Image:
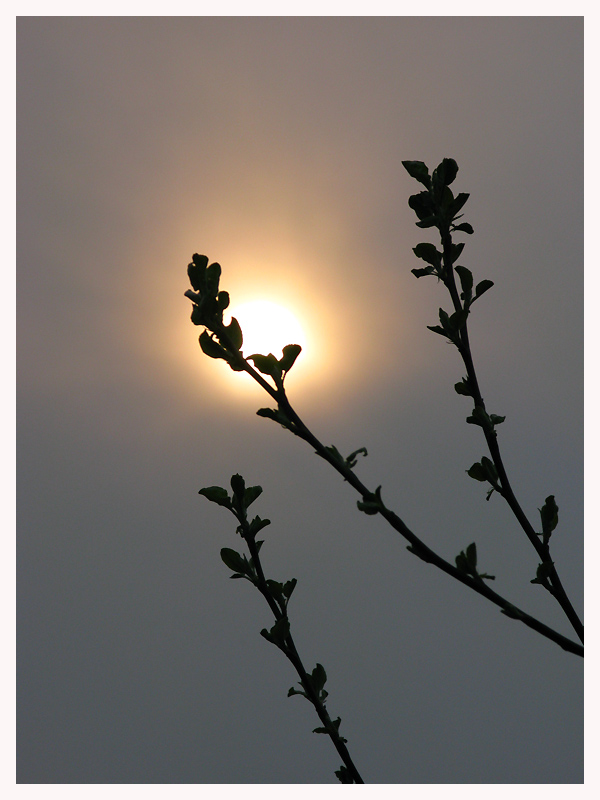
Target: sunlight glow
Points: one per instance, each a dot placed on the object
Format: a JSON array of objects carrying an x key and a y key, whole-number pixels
[{"x": 267, "y": 327}]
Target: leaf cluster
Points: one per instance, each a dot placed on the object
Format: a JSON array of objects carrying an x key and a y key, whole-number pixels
[
  {"x": 466, "y": 561},
  {"x": 437, "y": 206},
  {"x": 371, "y": 503},
  {"x": 485, "y": 471},
  {"x": 225, "y": 341},
  {"x": 312, "y": 684},
  {"x": 238, "y": 503},
  {"x": 218, "y": 340},
  {"x": 274, "y": 368}
]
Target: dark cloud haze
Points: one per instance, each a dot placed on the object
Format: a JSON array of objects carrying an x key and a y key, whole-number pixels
[{"x": 274, "y": 145}]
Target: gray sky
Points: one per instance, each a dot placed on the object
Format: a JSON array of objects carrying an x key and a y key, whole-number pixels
[{"x": 274, "y": 145}]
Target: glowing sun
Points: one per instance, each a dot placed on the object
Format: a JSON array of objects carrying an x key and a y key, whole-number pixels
[{"x": 267, "y": 327}]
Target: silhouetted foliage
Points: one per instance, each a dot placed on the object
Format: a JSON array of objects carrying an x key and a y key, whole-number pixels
[{"x": 435, "y": 207}]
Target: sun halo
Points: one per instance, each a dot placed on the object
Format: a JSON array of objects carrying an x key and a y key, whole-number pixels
[{"x": 267, "y": 327}]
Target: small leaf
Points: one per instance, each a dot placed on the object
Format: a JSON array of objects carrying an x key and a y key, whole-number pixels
[
  {"x": 466, "y": 562},
  {"x": 371, "y": 503},
  {"x": 270, "y": 413},
  {"x": 496, "y": 420},
  {"x": 458, "y": 319},
  {"x": 477, "y": 472},
  {"x": 368, "y": 508},
  {"x": 196, "y": 271},
  {"x": 293, "y": 691},
  {"x": 466, "y": 281},
  {"x": 250, "y": 495},
  {"x": 419, "y": 171},
  {"x": 212, "y": 276},
  {"x": 464, "y": 387},
  {"x": 268, "y": 365},
  {"x": 290, "y": 354},
  {"x": 427, "y": 222},
  {"x": 351, "y": 460},
  {"x": 471, "y": 554},
  {"x": 277, "y": 415},
  {"x": 238, "y": 484},
  {"x": 490, "y": 469},
  {"x": 437, "y": 329},
  {"x": 222, "y": 301},
  {"x": 482, "y": 287},
  {"x": 479, "y": 417},
  {"x": 195, "y": 277},
  {"x": 318, "y": 677},
  {"x": 336, "y": 723},
  {"x": 235, "y": 333},
  {"x": 544, "y": 570},
  {"x": 429, "y": 253},
  {"x": 343, "y": 775},
  {"x": 216, "y": 495},
  {"x": 459, "y": 201},
  {"x": 234, "y": 561},
  {"x": 211, "y": 347},
  {"x": 461, "y": 563},
  {"x": 421, "y": 273},
  {"x": 275, "y": 588},
  {"x": 243, "y": 496},
  {"x": 278, "y": 632},
  {"x": 549, "y": 515},
  {"x": 200, "y": 261},
  {"x": 456, "y": 250},
  {"x": 465, "y": 227},
  {"x": 422, "y": 205},
  {"x": 542, "y": 574},
  {"x": 445, "y": 173},
  {"x": 257, "y": 525},
  {"x": 288, "y": 587}
]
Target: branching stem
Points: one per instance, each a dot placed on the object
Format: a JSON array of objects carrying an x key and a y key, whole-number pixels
[
  {"x": 417, "y": 546},
  {"x": 291, "y": 652},
  {"x": 543, "y": 550}
]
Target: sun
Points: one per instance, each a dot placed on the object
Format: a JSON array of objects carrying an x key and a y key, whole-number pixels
[{"x": 267, "y": 327}]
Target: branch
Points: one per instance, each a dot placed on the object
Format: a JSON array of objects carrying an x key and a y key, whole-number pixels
[
  {"x": 225, "y": 342},
  {"x": 439, "y": 208},
  {"x": 277, "y": 596}
]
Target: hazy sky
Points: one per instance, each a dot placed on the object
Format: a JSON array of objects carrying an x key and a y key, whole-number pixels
[{"x": 274, "y": 145}]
